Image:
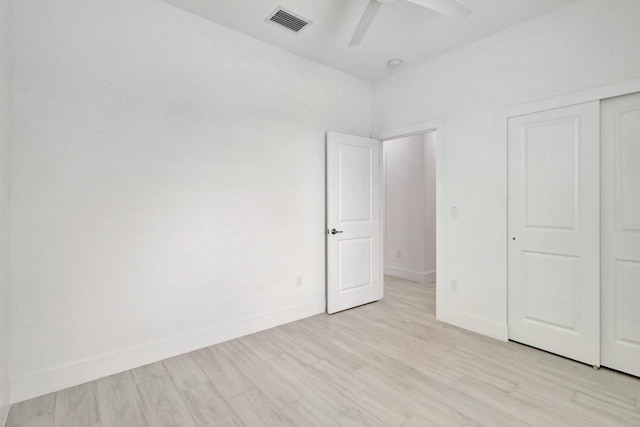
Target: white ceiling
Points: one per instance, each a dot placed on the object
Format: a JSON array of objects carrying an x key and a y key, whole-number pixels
[{"x": 400, "y": 30}]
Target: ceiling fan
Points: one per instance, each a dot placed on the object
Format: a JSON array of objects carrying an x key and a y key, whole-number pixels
[{"x": 447, "y": 7}]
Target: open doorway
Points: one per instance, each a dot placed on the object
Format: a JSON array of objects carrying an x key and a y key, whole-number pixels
[{"x": 410, "y": 213}]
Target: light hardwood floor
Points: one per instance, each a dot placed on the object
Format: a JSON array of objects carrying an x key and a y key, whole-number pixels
[{"x": 388, "y": 363}]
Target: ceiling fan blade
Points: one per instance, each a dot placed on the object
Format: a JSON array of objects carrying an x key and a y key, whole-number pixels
[
  {"x": 365, "y": 22},
  {"x": 448, "y": 7}
]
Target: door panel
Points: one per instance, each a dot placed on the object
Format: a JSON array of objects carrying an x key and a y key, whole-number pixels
[
  {"x": 621, "y": 233},
  {"x": 354, "y": 182},
  {"x": 553, "y": 272},
  {"x": 354, "y": 273},
  {"x": 355, "y": 257},
  {"x": 550, "y": 274},
  {"x": 551, "y": 178}
]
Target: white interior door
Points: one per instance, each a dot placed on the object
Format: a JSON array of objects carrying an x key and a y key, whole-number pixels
[
  {"x": 354, "y": 236},
  {"x": 621, "y": 233},
  {"x": 554, "y": 205}
]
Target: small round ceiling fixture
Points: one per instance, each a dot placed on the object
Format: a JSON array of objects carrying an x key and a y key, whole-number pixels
[{"x": 394, "y": 63}]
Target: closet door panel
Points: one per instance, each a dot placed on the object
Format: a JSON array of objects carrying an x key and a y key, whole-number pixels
[
  {"x": 621, "y": 233},
  {"x": 554, "y": 205}
]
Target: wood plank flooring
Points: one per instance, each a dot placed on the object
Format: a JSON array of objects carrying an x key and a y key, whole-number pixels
[{"x": 388, "y": 363}]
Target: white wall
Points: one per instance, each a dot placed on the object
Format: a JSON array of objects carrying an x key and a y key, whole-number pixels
[
  {"x": 410, "y": 207},
  {"x": 168, "y": 185},
  {"x": 4, "y": 206},
  {"x": 583, "y": 45}
]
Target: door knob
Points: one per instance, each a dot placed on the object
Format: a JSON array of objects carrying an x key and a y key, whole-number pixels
[{"x": 334, "y": 231}]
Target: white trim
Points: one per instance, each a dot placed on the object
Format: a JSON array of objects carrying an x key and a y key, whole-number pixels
[
  {"x": 383, "y": 211},
  {"x": 414, "y": 276},
  {"x": 490, "y": 328},
  {"x": 40, "y": 383},
  {"x": 430, "y": 276},
  {"x": 413, "y": 129},
  {"x": 382, "y": 217},
  {"x": 437, "y": 125},
  {"x": 595, "y": 94}
]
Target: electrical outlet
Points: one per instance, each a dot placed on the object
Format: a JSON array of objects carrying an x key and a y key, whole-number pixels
[
  {"x": 299, "y": 282},
  {"x": 399, "y": 254},
  {"x": 454, "y": 211},
  {"x": 454, "y": 286}
]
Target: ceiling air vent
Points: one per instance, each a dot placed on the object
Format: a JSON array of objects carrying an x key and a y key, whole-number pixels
[{"x": 288, "y": 20}]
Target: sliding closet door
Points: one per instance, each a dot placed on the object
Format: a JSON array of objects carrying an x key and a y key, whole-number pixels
[
  {"x": 554, "y": 222},
  {"x": 621, "y": 233}
]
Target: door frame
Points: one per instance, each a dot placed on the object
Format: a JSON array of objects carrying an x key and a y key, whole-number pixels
[
  {"x": 427, "y": 196},
  {"x": 438, "y": 126}
]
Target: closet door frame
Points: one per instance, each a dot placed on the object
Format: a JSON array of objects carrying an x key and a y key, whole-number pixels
[{"x": 595, "y": 94}]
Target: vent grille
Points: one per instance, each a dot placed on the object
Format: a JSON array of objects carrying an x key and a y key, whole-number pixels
[{"x": 287, "y": 20}]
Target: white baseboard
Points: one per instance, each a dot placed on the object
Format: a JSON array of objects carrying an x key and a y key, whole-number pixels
[
  {"x": 430, "y": 276},
  {"x": 40, "y": 383},
  {"x": 414, "y": 276},
  {"x": 476, "y": 324}
]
